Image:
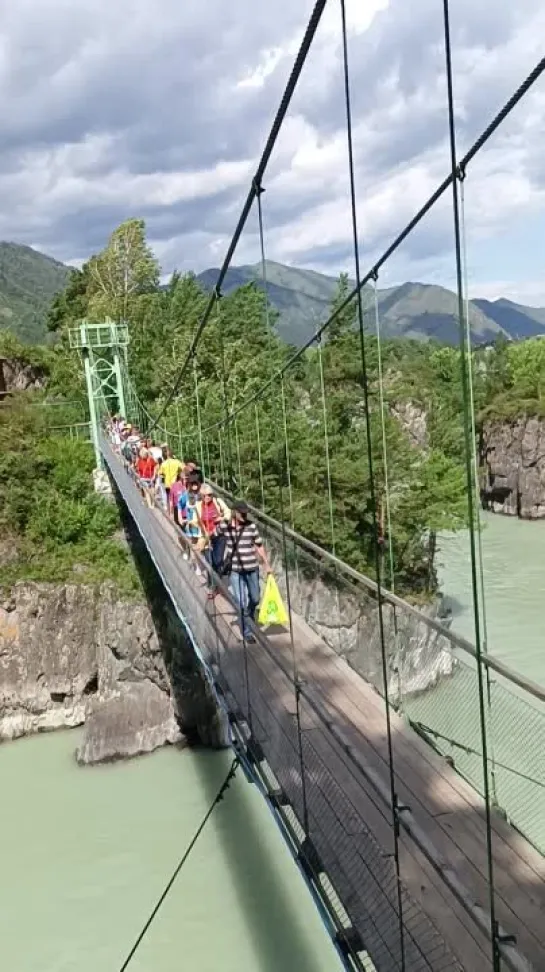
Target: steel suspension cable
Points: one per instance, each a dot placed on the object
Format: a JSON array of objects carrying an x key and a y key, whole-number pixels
[
  {"x": 372, "y": 492},
  {"x": 293, "y": 80},
  {"x": 229, "y": 457},
  {"x": 371, "y": 274},
  {"x": 468, "y": 432},
  {"x": 198, "y": 406},
  {"x": 287, "y": 450},
  {"x": 239, "y": 464}
]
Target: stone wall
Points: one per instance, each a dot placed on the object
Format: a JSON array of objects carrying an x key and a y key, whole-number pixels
[
  {"x": 74, "y": 654},
  {"x": 513, "y": 461}
]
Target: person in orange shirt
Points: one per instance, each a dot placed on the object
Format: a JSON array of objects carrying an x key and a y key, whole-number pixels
[{"x": 146, "y": 470}]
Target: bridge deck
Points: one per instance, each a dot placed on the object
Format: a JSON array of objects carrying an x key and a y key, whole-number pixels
[{"x": 449, "y": 810}]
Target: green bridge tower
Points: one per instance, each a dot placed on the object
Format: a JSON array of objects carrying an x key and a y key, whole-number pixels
[{"x": 103, "y": 348}]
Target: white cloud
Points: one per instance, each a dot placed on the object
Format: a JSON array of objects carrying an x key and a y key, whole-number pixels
[{"x": 113, "y": 110}]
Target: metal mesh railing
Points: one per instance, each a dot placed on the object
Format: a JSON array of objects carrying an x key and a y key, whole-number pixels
[
  {"x": 353, "y": 872},
  {"x": 432, "y": 679}
]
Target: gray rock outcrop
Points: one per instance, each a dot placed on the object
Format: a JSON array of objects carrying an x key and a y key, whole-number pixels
[
  {"x": 345, "y": 615},
  {"x": 17, "y": 375},
  {"x": 513, "y": 461},
  {"x": 74, "y": 654},
  {"x": 414, "y": 420}
]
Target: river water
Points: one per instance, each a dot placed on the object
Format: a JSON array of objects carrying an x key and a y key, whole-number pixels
[
  {"x": 85, "y": 853},
  {"x": 514, "y": 580}
]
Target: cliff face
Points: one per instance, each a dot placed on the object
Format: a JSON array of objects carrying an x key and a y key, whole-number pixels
[
  {"x": 72, "y": 655},
  {"x": 513, "y": 461},
  {"x": 16, "y": 375}
]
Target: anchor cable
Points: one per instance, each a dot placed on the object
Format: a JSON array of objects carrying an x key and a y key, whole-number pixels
[{"x": 219, "y": 796}]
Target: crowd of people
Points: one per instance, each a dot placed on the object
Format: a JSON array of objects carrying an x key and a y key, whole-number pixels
[{"x": 228, "y": 539}]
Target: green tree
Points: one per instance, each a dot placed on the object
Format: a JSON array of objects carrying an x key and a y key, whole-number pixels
[
  {"x": 72, "y": 303},
  {"x": 124, "y": 271}
]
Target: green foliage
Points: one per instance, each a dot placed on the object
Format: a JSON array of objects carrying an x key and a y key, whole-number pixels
[
  {"x": 124, "y": 271},
  {"x": 53, "y": 524},
  {"x": 71, "y": 304}
]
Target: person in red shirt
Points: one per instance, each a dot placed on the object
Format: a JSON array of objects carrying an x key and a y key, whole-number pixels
[{"x": 146, "y": 470}]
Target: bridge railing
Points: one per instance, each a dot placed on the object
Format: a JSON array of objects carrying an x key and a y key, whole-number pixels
[
  {"x": 378, "y": 925},
  {"x": 432, "y": 674}
]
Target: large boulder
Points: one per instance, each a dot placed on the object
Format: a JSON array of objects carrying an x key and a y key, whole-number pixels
[
  {"x": 73, "y": 654},
  {"x": 137, "y": 720}
]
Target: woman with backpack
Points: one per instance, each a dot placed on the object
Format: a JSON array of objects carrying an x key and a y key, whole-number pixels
[{"x": 212, "y": 512}]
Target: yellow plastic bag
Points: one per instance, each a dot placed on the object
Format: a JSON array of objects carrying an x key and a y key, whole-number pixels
[{"x": 272, "y": 610}]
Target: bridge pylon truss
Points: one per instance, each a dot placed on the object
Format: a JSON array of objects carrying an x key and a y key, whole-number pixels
[{"x": 103, "y": 349}]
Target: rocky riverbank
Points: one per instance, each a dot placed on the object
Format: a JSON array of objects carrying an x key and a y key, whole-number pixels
[
  {"x": 75, "y": 654},
  {"x": 513, "y": 462},
  {"x": 345, "y": 616}
]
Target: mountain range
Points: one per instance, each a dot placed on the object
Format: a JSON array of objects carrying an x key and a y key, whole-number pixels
[
  {"x": 30, "y": 279},
  {"x": 413, "y": 310},
  {"x": 28, "y": 282}
]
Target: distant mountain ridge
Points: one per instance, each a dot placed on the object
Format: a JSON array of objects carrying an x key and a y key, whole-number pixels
[
  {"x": 412, "y": 310},
  {"x": 29, "y": 280}
]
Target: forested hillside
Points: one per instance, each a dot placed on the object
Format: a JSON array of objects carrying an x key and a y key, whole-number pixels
[
  {"x": 28, "y": 282},
  {"x": 416, "y": 484}
]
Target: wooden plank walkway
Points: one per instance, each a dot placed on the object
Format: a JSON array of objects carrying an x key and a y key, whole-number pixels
[{"x": 448, "y": 809}]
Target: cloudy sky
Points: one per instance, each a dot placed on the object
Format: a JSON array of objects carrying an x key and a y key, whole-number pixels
[{"x": 118, "y": 108}]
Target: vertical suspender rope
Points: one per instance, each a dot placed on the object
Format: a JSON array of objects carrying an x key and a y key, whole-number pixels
[
  {"x": 286, "y": 439},
  {"x": 179, "y": 424},
  {"x": 239, "y": 465},
  {"x": 468, "y": 432},
  {"x": 259, "y": 457},
  {"x": 384, "y": 447},
  {"x": 229, "y": 480},
  {"x": 480, "y": 557},
  {"x": 329, "y": 484},
  {"x": 369, "y": 444},
  {"x": 295, "y": 667},
  {"x": 326, "y": 446},
  {"x": 398, "y": 667},
  {"x": 198, "y": 406},
  {"x": 222, "y": 468}
]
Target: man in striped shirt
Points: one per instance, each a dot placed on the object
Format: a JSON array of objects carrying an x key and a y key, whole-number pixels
[{"x": 244, "y": 551}]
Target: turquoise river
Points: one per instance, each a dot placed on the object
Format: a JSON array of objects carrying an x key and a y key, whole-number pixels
[{"x": 86, "y": 852}]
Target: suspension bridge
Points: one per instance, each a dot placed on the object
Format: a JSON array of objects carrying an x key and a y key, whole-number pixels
[{"x": 403, "y": 763}]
